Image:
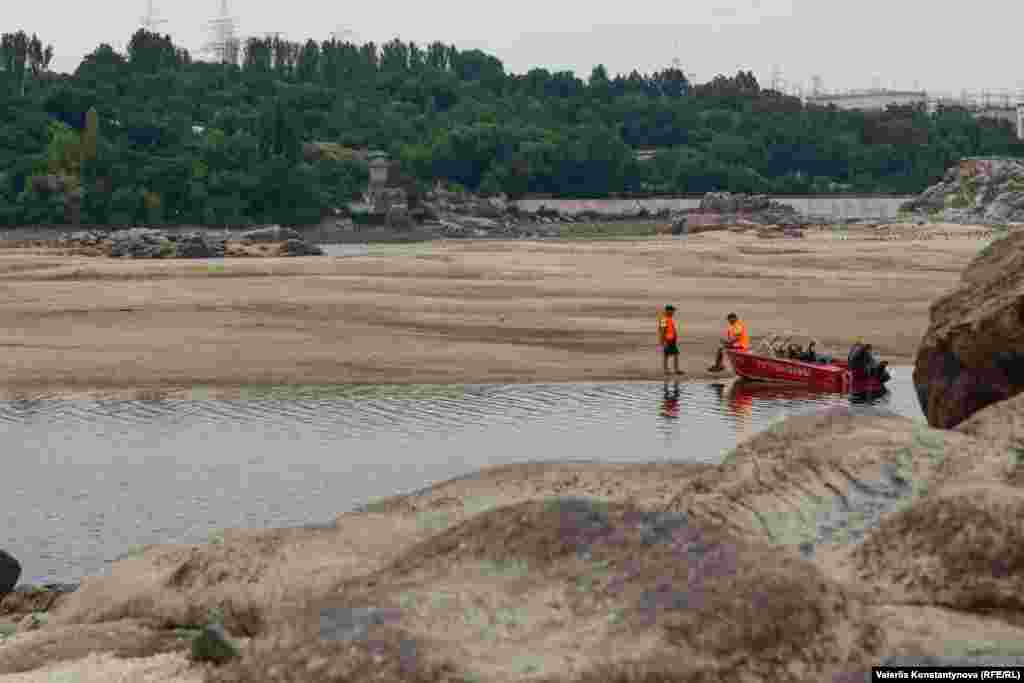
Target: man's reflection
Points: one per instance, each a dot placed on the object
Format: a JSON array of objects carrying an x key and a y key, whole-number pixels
[{"x": 670, "y": 406}]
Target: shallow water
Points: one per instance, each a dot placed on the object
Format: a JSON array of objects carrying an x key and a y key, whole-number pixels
[{"x": 85, "y": 481}]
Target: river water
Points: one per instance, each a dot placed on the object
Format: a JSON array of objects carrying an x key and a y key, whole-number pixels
[{"x": 85, "y": 481}]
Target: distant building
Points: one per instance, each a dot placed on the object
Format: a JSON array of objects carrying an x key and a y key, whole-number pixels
[
  {"x": 870, "y": 99},
  {"x": 984, "y": 105}
]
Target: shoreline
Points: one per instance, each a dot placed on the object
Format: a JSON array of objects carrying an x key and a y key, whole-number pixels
[{"x": 452, "y": 311}]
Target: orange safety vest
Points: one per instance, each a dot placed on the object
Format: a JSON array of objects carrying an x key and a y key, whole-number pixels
[
  {"x": 667, "y": 328},
  {"x": 737, "y": 334}
]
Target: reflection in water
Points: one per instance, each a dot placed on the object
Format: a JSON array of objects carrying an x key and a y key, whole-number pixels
[
  {"x": 741, "y": 404},
  {"x": 670, "y": 405},
  {"x": 738, "y": 401}
]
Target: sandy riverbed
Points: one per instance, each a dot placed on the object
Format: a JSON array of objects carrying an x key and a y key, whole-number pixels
[{"x": 454, "y": 311}]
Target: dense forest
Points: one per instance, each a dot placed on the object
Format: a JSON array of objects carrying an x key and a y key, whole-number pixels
[{"x": 153, "y": 136}]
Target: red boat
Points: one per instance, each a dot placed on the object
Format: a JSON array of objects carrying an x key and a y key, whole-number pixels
[
  {"x": 763, "y": 368},
  {"x": 833, "y": 377}
]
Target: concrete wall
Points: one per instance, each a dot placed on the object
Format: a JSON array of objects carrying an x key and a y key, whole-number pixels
[{"x": 835, "y": 208}]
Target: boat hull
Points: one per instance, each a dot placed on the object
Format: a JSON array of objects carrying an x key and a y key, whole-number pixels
[{"x": 825, "y": 377}]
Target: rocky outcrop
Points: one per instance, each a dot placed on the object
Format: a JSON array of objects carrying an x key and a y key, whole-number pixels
[
  {"x": 972, "y": 354},
  {"x": 151, "y": 243},
  {"x": 10, "y": 572},
  {"x": 978, "y": 191}
]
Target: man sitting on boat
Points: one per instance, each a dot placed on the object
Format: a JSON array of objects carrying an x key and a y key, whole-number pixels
[
  {"x": 873, "y": 366},
  {"x": 736, "y": 337},
  {"x": 864, "y": 363}
]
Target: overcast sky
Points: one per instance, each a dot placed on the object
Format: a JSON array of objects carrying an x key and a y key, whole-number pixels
[{"x": 862, "y": 44}]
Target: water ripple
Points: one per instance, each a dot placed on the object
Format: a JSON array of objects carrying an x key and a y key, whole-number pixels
[{"x": 96, "y": 477}]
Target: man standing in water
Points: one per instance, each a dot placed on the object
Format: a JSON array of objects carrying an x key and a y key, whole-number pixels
[
  {"x": 668, "y": 337},
  {"x": 736, "y": 337}
]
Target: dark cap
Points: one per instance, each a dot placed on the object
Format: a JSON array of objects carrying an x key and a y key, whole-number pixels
[{"x": 670, "y": 308}]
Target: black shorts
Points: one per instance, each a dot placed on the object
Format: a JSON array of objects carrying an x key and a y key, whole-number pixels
[{"x": 671, "y": 349}]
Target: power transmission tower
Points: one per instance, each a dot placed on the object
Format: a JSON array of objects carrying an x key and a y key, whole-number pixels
[
  {"x": 224, "y": 46},
  {"x": 816, "y": 85},
  {"x": 776, "y": 78},
  {"x": 150, "y": 20}
]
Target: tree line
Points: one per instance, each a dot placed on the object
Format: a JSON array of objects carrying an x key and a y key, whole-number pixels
[{"x": 154, "y": 136}]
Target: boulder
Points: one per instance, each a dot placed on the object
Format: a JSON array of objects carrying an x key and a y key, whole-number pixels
[
  {"x": 200, "y": 245},
  {"x": 399, "y": 218},
  {"x": 10, "y": 572},
  {"x": 273, "y": 233},
  {"x": 140, "y": 243},
  {"x": 451, "y": 229},
  {"x": 300, "y": 248},
  {"x": 85, "y": 237},
  {"x": 972, "y": 354}
]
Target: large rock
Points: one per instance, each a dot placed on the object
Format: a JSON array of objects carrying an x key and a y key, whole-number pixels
[
  {"x": 300, "y": 248},
  {"x": 200, "y": 245},
  {"x": 140, "y": 243},
  {"x": 10, "y": 572},
  {"x": 85, "y": 237},
  {"x": 273, "y": 233},
  {"x": 972, "y": 354}
]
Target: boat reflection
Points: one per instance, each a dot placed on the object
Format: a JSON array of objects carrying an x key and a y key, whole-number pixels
[{"x": 742, "y": 393}]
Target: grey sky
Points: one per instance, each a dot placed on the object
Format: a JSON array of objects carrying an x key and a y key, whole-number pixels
[{"x": 850, "y": 44}]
